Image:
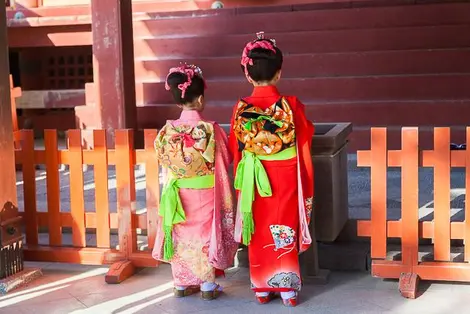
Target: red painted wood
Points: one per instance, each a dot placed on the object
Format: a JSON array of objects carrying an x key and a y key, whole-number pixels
[
  {"x": 327, "y": 64},
  {"x": 152, "y": 186},
  {"x": 442, "y": 194},
  {"x": 229, "y": 22},
  {"x": 101, "y": 189},
  {"x": 8, "y": 195},
  {"x": 378, "y": 175},
  {"x": 53, "y": 187},
  {"x": 406, "y": 38},
  {"x": 359, "y": 113},
  {"x": 50, "y": 36},
  {"x": 360, "y": 138},
  {"x": 29, "y": 187},
  {"x": 113, "y": 65},
  {"x": 410, "y": 198},
  {"x": 384, "y": 88},
  {"x": 77, "y": 199}
]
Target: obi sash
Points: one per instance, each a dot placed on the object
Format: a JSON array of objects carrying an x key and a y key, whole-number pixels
[
  {"x": 250, "y": 172},
  {"x": 171, "y": 208}
]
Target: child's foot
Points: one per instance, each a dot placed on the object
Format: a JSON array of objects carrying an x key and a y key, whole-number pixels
[
  {"x": 264, "y": 297},
  {"x": 289, "y": 299},
  {"x": 211, "y": 294},
  {"x": 181, "y": 292}
]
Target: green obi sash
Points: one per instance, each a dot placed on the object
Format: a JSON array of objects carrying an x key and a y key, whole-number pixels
[
  {"x": 250, "y": 172},
  {"x": 171, "y": 209}
]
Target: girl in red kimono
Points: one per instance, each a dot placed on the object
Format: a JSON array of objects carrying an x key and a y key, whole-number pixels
[{"x": 270, "y": 140}]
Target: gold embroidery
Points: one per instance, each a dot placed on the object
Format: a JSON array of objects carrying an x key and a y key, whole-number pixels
[
  {"x": 187, "y": 151},
  {"x": 265, "y": 132}
]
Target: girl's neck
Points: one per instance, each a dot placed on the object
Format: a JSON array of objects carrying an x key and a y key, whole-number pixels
[{"x": 263, "y": 84}]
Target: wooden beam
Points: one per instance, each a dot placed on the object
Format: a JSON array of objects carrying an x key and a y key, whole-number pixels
[
  {"x": 113, "y": 66},
  {"x": 49, "y": 99},
  {"x": 8, "y": 195}
]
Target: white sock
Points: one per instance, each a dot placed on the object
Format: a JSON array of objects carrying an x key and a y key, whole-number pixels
[
  {"x": 209, "y": 286},
  {"x": 181, "y": 288},
  {"x": 288, "y": 295},
  {"x": 262, "y": 294}
]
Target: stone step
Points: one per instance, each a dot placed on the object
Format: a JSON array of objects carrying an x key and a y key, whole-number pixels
[
  {"x": 373, "y": 88},
  {"x": 359, "y": 113},
  {"x": 307, "y": 42},
  {"x": 324, "y": 64},
  {"x": 224, "y": 22}
]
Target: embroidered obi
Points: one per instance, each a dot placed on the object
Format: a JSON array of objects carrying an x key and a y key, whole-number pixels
[
  {"x": 186, "y": 151},
  {"x": 264, "y": 132},
  {"x": 261, "y": 135}
]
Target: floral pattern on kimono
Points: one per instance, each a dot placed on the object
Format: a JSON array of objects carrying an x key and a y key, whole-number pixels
[{"x": 187, "y": 151}]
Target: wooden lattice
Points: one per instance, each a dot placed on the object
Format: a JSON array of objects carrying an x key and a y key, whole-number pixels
[{"x": 69, "y": 69}]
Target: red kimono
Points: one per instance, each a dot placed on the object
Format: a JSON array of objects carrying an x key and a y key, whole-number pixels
[{"x": 280, "y": 220}]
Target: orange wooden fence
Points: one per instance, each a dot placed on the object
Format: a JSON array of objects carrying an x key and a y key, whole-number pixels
[
  {"x": 124, "y": 157},
  {"x": 441, "y": 230}
]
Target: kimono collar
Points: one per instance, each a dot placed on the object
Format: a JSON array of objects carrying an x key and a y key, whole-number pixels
[
  {"x": 191, "y": 115},
  {"x": 265, "y": 91}
]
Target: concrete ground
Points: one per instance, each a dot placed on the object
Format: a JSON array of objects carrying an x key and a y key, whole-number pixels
[{"x": 81, "y": 289}]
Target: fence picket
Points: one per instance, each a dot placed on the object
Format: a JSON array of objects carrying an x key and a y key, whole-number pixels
[
  {"x": 409, "y": 196},
  {"x": 101, "y": 189},
  {"x": 467, "y": 199},
  {"x": 29, "y": 187},
  {"x": 152, "y": 186},
  {"x": 379, "y": 192},
  {"x": 53, "y": 187},
  {"x": 77, "y": 200},
  {"x": 125, "y": 185},
  {"x": 442, "y": 194}
]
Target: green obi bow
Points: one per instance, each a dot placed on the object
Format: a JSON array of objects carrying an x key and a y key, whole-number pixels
[
  {"x": 171, "y": 209},
  {"x": 250, "y": 171},
  {"x": 250, "y": 122}
]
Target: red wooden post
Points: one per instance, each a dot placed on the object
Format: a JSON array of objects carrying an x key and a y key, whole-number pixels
[
  {"x": 15, "y": 93},
  {"x": 152, "y": 186},
  {"x": 53, "y": 187},
  {"x": 442, "y": 194},
  {"x": 409, "y": 197},
  {"x": 29, "y": 187},
  {"x": 113, "y": 69},
  {"x": 125, "y": 186},
  {"x": 8, "y": 195},
  {"x": 467, "y": 199},
  {"x": 77, "y": 199},
  {"x": 101, "y": 189},
  {"x": 378, "y": 152}
]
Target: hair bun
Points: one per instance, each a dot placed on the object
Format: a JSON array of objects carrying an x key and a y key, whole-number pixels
[{"x": 260, "y": 53}]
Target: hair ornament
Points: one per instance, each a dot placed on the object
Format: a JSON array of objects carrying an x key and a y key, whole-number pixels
[
  {"x": 190, "y": 70},
  {"x": 259, "y": 42}
]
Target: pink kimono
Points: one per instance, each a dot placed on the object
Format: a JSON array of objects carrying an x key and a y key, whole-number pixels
[{"x": 203, "y": 241}]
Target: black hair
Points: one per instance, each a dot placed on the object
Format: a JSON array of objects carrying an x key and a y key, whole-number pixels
[
  {"x": 266, "y": 63},
  {"x": 193, "y": 91}
]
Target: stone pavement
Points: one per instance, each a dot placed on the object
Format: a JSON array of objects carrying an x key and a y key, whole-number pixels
[{"x": 81, "y": 289}]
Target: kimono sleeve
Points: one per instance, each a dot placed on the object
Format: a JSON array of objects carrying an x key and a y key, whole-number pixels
[
  {"x": 305, "y": 131},
  {"x": 233, "y": 143}
]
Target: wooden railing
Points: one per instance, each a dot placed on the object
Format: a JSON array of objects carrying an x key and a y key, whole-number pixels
[
  {"x": 441, "y": 230},
  {"x": 124, "y": 157}
]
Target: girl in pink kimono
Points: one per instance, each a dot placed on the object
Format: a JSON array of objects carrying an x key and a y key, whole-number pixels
[{"x": 196, "y": 225}]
